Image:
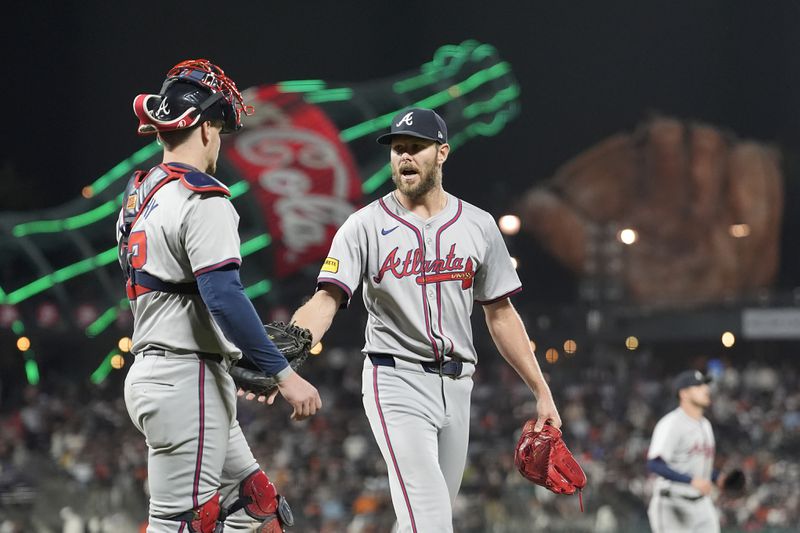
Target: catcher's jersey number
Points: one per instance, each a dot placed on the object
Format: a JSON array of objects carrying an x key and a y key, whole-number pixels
[{"x": 137, "y": 249}]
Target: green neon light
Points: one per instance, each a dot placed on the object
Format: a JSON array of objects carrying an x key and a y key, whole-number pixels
[
  {"x": 485, "y": 129},
  {"x": 491, "y": 105},
  {"x": 301, "y": 86},
  {"x": 61, "y": 275},
  {"x": 103, "y": 259},
  {"x": 31, "y": 370},
  {"x": 329, "y": 95},
  {"x": 447, "y": 60},
  {"x": 73, "y": 222},
  {"x": 106, "y": 319},
  {"x": 90, "y": 217},
  {"x": 255, "y": 244},
  {"x": 435, "y": 100},
  {"x": 102, "y": 371},
  {"x": 239, "y": 188},
  {"x": 372, "y": 183},
  {"x": 258, "y": 289},
  {"x": 124, "y": 167},
  {"x": 18, "y": 327}
]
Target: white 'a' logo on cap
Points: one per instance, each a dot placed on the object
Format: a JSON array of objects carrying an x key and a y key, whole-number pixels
[{"x": 408, "y": 119}]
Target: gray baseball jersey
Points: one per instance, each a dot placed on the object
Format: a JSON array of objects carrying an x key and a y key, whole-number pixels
[
  {"x": 687, "y": 446},
  {"x": 421, "y": 277},
  {"x": 185, "y": 405},
  {"x": 419, "y": 280},
  {"x": 179, "y": 235}
]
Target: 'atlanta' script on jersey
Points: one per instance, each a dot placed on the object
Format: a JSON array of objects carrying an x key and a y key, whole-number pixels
[{"x": 449, "y": 268}]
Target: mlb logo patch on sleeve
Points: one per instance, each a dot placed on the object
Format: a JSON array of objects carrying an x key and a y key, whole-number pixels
[{"x": 330, "y": 265}]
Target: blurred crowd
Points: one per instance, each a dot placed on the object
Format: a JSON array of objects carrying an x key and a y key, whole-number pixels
[{"x": 71, "y": 461}]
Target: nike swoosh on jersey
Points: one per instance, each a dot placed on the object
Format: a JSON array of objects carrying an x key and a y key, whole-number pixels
[{"x": 388, "y": 231}]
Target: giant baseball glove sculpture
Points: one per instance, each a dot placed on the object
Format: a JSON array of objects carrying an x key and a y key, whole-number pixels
[
  {"x": 291, "y": 340},
  {"x": 707, "y": 207},
  {"x": 544, "y": 459}
]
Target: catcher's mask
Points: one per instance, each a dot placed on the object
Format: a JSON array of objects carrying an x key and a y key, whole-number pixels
[{"x": 195, "y": 90}]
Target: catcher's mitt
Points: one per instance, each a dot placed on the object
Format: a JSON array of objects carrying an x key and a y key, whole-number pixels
[
  {"x": 544, "y": 459},
  {"x": 291, "y": 340}
]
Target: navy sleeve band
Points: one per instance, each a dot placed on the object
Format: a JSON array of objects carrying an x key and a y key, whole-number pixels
[
  {"x": 658, "y": 466},
  {"x": 224, "y": 296}
]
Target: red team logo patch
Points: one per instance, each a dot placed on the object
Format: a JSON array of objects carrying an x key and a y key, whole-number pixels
[{"x": 450, "y": 268}]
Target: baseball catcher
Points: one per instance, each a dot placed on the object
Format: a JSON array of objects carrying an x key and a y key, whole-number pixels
[
  {"x": 291, "y": 340},
  {"x": 543, "y": 458}
]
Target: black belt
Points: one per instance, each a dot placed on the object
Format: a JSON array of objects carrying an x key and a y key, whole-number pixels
[
  {"x": 217, "y": 358},
  {"x": 451, "y": 368},
  {"x": 668, "y": 494}
]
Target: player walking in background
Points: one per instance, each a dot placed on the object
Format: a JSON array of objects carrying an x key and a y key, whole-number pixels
[
  {"x": 422, "y": 257},
  {"x": 681, "y": 454},
  {"x": 179, "y": 249}
]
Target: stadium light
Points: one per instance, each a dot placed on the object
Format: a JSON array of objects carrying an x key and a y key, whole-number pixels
[
  {"x": 728, "y": 339},
  {"x": 628, "y": 236},
  {"x": 739, "y": 230},
  {"x": 631, "y": 343},
  {"x": 125, "y": 344},
  {"x": 509, "y": 224},
  {"x": 23, "y": 344},
  {"x": 117, "y": 361},
  {"x": 570, "y": 346}
]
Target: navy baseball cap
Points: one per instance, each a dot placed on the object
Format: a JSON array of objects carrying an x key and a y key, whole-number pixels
[
  {"x": 417, "y": 122},
  {"x": 690, "y": 378}
]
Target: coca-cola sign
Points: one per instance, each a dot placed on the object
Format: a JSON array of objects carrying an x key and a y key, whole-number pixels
[{"x": 303, "y": 176}]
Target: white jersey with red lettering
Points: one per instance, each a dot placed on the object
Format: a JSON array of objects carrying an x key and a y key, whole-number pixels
[{"x": 419, "y": 280}]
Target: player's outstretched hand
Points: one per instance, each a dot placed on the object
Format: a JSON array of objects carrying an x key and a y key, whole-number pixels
[
  {"x": 703, "y": 485},
  {"x": 300, "y": 394},
  {"x": 546, "y": 412}
]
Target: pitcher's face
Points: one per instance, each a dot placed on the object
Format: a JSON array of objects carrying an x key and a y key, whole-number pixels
[{"x": 416, "y": 165}]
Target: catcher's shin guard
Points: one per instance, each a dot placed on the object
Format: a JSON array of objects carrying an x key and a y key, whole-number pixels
[
  {"x": 201, "y": 519},
  {"x": 260, "y": 500}
]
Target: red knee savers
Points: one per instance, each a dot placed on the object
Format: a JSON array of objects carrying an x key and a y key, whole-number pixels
[
  {"x": 262, "y": 495},
  {"x": 205, "y": 516}
]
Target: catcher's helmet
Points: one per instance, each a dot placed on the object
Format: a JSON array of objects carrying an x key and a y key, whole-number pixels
[{"x": 194, "y": 90}]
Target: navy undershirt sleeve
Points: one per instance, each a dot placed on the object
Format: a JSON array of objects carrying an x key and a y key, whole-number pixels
[
  {"x": 224, "y": 296},
  {"x": 658, "y": 466}
]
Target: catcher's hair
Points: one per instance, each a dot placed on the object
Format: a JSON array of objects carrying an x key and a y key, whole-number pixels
[{"x": 173, "y": 139}]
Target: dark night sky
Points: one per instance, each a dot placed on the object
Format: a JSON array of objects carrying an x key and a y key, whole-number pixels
[{"x": 587, "y": 69}]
